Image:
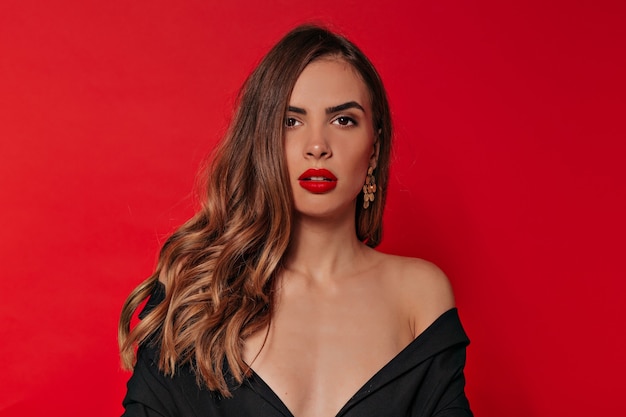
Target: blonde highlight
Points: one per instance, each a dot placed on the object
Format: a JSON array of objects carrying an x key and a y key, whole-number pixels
[{"x": 219, "y": 269}]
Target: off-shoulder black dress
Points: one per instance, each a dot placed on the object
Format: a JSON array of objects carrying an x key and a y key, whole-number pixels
[{"x": 424, "y": 380}]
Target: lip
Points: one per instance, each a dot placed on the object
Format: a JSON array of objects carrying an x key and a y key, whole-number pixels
[{"x": 317, "y": 181}]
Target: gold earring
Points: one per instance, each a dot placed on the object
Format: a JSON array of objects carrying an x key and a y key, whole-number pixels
[{"x": 369, "y": 188}]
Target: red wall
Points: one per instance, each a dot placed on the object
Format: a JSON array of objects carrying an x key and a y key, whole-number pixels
[{"x": 509, "y": 174}]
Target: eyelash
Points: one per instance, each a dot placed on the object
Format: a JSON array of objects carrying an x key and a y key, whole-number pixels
[
  {"x": 291, "y": 122},
  {"x": 350, "y": 121}
]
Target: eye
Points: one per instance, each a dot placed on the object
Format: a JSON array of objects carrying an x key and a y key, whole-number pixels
[
  {"x": 291, "y": 122},
  {"x": 344, "y": 121}
]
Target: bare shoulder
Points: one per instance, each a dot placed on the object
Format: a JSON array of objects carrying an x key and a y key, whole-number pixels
[{"x": 420, "y": 287}]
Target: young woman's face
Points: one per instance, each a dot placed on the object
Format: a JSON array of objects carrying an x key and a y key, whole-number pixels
[{"x": 329, "y": 138}]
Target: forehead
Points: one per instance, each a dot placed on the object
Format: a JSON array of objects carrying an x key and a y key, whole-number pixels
[{"x": 327, "y": 82}]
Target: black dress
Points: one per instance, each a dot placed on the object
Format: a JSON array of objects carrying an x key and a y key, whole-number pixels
[{"x": 424, "y": 380}]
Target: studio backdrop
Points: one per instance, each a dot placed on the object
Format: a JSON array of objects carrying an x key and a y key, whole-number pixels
[{"x": 508, "y": 173}]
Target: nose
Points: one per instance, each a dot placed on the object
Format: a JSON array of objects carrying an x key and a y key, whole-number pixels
[{"x": 317, "y": 146}]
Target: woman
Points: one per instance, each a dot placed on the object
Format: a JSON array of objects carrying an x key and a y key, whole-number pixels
[{"x": 271, "y": 301}]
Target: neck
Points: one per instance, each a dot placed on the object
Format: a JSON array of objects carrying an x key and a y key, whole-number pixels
[{"x": 322, "y": 249}]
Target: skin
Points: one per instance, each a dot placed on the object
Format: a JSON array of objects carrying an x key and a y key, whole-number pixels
[{"x": 343, "y": 309}]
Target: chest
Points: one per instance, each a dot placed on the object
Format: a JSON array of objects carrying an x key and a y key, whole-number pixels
[{"x": 320, "y": 351}]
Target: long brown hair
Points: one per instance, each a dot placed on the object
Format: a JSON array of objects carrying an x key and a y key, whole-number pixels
[{"x": 219, "y": 268}]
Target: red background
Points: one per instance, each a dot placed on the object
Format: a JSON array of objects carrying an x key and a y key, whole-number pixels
[{"x": 508, "y": 174}]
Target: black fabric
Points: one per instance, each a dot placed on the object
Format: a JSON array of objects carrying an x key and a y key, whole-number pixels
[{"x": 424, "y": 380}]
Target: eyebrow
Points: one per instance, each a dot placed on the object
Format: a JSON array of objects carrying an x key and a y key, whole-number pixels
[{"x": 330, "y": 110}]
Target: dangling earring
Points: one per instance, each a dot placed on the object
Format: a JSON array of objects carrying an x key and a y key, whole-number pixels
[
  {"x": 369, "y": 188},
  {"x": 370, "y": 181}
]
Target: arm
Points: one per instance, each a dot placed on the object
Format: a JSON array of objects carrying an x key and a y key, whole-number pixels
[
  {"x": 430, "y": 296},
  {"x": 453, "y": 402},
  {"x": 148, "y": 393}
]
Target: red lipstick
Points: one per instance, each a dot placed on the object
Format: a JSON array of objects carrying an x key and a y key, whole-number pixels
[{"x": 317, "y": 181}]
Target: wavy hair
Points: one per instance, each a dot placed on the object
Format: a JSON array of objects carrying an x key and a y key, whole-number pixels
[{"x": 220, "y": 267}]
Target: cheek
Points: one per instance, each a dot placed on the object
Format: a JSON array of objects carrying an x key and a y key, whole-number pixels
[
  {"x": 290, "y": 152},
  {"x": 360, "y": 165},
  {"x": 365, "y": 158}
]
